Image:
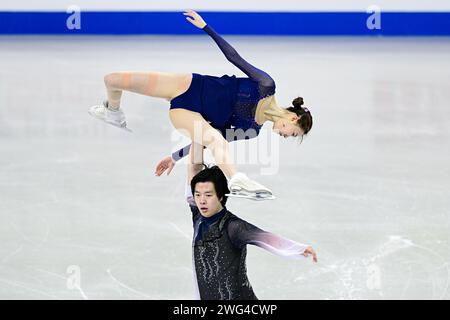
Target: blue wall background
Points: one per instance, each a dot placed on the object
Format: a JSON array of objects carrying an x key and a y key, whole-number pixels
[{"x": 231, "y": 22}]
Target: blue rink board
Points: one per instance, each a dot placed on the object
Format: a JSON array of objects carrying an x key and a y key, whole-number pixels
[{"x": 246, "y": 23}]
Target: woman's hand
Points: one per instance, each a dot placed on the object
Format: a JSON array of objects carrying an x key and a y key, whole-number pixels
[
  {"x": 194, "y": 18},
  {"x": 165, "y": 164},
  {"x": 310, "y": 251}
]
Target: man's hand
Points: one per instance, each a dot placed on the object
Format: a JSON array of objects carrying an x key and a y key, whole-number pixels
[
  {"x": 310, "y": 251},
  {"x": 194, "y": 18},
  {"x": 165, "y": 164}
]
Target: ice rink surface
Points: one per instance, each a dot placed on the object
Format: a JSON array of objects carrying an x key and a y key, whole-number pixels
[{"x": 83, "y": 216}]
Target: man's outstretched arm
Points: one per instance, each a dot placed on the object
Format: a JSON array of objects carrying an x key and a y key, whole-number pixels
[
  {"x": 195, "y": 165},
  {"x": 242, "y": 233}
]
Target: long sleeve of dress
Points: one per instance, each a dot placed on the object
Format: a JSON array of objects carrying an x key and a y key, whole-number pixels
[
  {"x": 181, "y": 153},
  {"x": 265, "y": 81},
  {"x": 242, "y": 233}
]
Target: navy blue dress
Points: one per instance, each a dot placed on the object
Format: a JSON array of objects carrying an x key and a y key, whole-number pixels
[{"x": 228, "y": 102}]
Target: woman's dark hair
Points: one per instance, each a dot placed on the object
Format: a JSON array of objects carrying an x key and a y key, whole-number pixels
[
  {"x": 305, "y": 122},
  {"x": 218, "y": 179}
]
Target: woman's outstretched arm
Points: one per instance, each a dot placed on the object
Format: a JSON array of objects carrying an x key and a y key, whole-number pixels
[
  {"x": 235, "y": 58},
  {"x": 230, "y": 53}
]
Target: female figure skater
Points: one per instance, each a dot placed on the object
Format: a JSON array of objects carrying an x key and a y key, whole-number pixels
[{"x": 200, "y": 104}]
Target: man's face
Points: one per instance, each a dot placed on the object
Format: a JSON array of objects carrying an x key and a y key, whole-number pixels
[{"x": 206, "y": 199}]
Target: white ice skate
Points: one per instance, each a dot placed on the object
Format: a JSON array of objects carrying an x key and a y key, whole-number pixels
[
  {"x": 114, "y": 117},
  {"x": 242, "y": 187}
]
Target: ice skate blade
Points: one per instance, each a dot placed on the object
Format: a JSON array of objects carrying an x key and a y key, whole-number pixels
[
  {"x": 252, "y": 196},
  {"x": 111, "y": 123}
]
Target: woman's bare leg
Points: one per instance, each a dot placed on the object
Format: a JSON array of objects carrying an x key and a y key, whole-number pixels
[
  {"x": 168, "y": 86},
  {"x": 194, "y": 126},
  {"x": 153, "y": 84}
]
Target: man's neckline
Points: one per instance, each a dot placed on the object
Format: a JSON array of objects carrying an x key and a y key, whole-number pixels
[{"x": 215, "y": 216}]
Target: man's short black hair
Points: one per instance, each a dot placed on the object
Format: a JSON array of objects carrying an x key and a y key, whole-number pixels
[{"x": 218, "y": 179}]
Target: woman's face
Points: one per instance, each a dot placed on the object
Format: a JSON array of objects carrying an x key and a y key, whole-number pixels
[{"x": 287, "y": 127}]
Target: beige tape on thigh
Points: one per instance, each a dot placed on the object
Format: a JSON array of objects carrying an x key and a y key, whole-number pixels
[
  {"x": 126, "y": 80},
  {"x": 151, "y": 83}
]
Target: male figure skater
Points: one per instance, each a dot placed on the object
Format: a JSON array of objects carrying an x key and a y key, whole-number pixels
[{"x": 220, "y": 237}]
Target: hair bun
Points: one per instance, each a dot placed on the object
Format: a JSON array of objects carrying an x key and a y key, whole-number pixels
[{"x": 297, "y": 102}]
